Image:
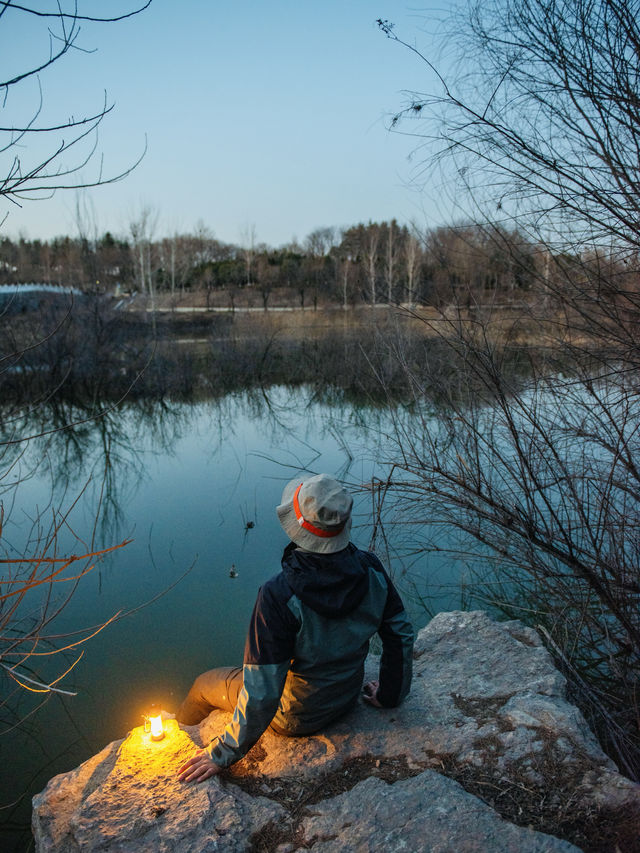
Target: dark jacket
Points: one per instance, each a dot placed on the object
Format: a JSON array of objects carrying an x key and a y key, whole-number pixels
[{"x": 307, "y": 643}]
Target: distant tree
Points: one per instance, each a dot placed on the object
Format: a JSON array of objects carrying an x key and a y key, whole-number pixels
[
  {"x": 86, "y": 221},
  {"x": 267, "y": 274},
  {"x": 343, "y": 269},
  {"x": 114, "y": 261},
  {"x": 291, "y": 272},
  {"x": 392, "y": 239},
  {"x": 474, "y": 263},
  {"x": 67, "y": 262},
  {"x": 176, "y": 260},
  {"x": 412, "y": 260},
  {"x": 370, "y": 247},
  {"x": 248, "y": 237},
  {"x": 349, "y": 266},
  {"x": 8, "y": 260},
  {"x": 142, "y": 226},
  {"x": 318, "y": 245},
  {"x": 321, "y": 240}
]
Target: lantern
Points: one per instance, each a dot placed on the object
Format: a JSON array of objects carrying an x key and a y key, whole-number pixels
[{"x": 153, "y": 723}]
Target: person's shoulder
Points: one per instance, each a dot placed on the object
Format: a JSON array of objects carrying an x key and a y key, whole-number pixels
[
  {"x": 377, "y": 570},
  {"x": 369, "y": 559},
  {"x": 272, "y": 602},
  {"x": 276, "y": 589}
]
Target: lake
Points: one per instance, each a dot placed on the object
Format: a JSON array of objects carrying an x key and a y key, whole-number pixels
[{"x": 194, "y": 486}]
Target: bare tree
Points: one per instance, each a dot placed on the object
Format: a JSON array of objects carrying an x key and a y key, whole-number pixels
[
  {"x": 318, "y": 245},
  {"x": 248, "y": 237},
  {"x": 27, "y": 176},
  {"x": 177, "y": 260},
  {"x": 34, "y": 591},
  {"x": 412, "y": 260},
  {"x": 321, "y": 240},
  {"x": 371, "y": 239},
  {"x": 142, "y": 227},
  {"x": 532, "y": 459},
  {"x": 546, "y": 123},
  {"x": 343, "y": 271},
  {"x": 31, "y": 578},
  {"x": 347, "y": 259},
  {"x": 391, "y": 251}
]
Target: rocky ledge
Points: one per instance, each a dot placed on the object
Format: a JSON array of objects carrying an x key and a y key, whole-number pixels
[{"x": 485, "y": 755}]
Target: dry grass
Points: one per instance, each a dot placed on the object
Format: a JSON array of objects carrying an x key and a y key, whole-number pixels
[{"x": 554, "y": 810}]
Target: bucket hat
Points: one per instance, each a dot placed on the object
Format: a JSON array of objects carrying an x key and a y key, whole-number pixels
[{"x": 316, "y": 513}]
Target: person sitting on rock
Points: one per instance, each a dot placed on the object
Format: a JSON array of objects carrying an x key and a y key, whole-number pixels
[{"x": 309, "y": 636}]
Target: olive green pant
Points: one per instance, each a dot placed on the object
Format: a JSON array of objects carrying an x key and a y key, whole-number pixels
[{"x": 216, "y": 688}]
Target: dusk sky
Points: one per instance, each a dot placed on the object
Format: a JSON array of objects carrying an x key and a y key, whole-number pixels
[{"x": 266, "y": 114}]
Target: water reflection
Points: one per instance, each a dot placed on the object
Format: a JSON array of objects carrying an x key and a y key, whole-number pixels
[{"x": 191, "y": 485}]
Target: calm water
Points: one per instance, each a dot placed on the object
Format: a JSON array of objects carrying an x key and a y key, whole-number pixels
[{"x": 195, "y": 487}]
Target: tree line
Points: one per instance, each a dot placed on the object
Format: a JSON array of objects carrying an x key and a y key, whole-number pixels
[{"x": 372, "y": 263}]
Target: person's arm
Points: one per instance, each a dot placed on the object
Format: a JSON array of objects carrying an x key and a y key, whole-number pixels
[
  {"x": 268, "y": 653},
  {"x": 396, "y": 661},
  {"x": 256, "y": 706}
]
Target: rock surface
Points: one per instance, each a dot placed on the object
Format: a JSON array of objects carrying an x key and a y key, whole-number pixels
[
  {"x": 427, "y": 812},
  {"x": 487, "y": 708}
]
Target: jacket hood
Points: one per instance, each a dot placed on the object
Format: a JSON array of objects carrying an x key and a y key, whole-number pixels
[{"x": 331, "y": 584}]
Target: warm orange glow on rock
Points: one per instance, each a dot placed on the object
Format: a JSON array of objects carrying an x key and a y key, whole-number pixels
[{"x": 149, "y": 759}]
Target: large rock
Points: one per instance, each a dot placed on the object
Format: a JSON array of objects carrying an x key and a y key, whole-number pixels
[
  {"x": 127, "y": 798},
  {"x": 487, "y": 709},
  {"x": 428, "y": 812}
]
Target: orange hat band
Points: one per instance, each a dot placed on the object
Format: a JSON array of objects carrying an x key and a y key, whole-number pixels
[{"x": 317, "y": 531}]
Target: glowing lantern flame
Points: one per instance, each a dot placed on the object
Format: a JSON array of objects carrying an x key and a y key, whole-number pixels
[
  {"x": 157, "y": 732},
  {"x": 153, "y": 723}
]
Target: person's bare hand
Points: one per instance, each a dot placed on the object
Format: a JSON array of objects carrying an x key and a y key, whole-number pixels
[
  {"x": 198, "y": 768},
  {"x": 370, "y": 693}
]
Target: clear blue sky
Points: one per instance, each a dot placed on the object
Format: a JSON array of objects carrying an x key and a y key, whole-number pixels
[{"x": 265, "y": 113}]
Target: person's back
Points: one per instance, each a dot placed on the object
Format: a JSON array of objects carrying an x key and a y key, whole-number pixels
[
  {"x": 331, "y": 605},
  {"x": 309, "y": 635}
]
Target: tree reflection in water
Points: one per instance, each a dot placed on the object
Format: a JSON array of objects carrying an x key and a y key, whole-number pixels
[
  {"x": 179, "y": 480},
  {"x": 108, "y": 433}
]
